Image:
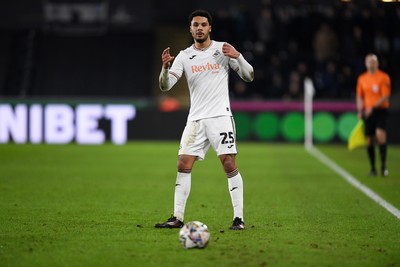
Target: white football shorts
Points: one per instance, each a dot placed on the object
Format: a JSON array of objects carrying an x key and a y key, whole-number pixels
[{"x": 219, "y": 132}]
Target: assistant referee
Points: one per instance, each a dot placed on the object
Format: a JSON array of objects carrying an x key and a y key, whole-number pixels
[{"x": 373, "y": 92}]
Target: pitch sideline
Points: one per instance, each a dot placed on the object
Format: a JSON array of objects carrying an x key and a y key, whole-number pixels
[{"x": 353, "y": 181}]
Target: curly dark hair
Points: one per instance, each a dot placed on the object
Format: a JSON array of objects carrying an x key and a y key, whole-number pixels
[{"x": 200, "y": 13}]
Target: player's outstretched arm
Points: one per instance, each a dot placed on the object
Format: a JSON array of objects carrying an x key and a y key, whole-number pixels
[
  {"x": 164, "y": 80},
  {"x": 244, "y": 69},
  {"x": 166, "y": 58}
]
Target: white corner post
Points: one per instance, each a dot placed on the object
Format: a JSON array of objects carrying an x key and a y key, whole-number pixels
[{"x": 308, "y": 113}]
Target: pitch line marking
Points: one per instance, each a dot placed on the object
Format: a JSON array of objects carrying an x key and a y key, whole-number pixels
[{"x": 353, "y": 181}]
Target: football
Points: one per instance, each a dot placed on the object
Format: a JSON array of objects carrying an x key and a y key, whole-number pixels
[{"x": 194, "y": 234}]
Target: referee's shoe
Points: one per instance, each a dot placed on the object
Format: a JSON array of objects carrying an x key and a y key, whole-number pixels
[
  {"x": 384, "y": 172},
  {"x": 372, "y": 173}
]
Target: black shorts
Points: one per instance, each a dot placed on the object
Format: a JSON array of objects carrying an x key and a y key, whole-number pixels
[{"x": 377, "y": 119}]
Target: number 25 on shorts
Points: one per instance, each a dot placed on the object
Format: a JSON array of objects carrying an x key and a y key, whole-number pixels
[{"x": 227, "y": 138}]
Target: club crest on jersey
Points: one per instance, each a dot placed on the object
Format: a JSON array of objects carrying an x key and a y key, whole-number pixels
[{"x": 217, "y": 53}]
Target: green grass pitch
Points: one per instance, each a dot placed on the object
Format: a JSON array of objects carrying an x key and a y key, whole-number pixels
[{"x": 97, "y": 205}]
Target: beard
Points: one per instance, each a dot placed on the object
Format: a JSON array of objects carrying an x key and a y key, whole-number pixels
[{"x": 201, "y": 39}]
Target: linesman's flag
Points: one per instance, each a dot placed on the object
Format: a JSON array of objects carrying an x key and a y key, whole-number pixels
[{"x": 357, "y": 136}]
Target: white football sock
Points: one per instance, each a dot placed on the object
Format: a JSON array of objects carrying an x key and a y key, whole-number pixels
[
  {"x": 235, "y": 185},
  {"x": 182, "y": 190}
]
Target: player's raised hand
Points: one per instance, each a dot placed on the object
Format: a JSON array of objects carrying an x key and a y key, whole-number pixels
[
  {"x": 166, "y": 58},
  {"x": 230, "y": 51}
]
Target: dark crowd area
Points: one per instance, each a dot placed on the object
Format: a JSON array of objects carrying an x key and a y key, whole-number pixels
[
  {"x": 104, "y": 48},
  {"x": 326, "y": 42}
]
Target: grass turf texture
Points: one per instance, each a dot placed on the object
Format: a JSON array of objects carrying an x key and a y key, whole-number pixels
[{"x": 97, "y": 205}]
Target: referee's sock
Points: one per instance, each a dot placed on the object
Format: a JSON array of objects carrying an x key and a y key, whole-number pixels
[
  {"x": 383, "y": 152},
  {"x": 371, "y": 156}
]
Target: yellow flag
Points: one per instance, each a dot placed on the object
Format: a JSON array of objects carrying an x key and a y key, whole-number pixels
[{"x": 357, "y": 136}]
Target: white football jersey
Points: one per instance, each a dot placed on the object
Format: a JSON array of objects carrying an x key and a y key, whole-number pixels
[{"x": 207, "y": 73}]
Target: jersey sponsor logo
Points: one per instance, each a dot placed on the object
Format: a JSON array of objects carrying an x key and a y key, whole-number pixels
[{"x": 206, "y": 67}]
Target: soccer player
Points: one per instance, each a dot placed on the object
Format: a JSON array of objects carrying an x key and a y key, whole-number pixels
[
  {"x": 373, "y": 92},
  {"x": 206, "y": 65}
]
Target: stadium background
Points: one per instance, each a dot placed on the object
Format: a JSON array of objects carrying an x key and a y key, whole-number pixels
[{"x": 108, "y": 52}]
